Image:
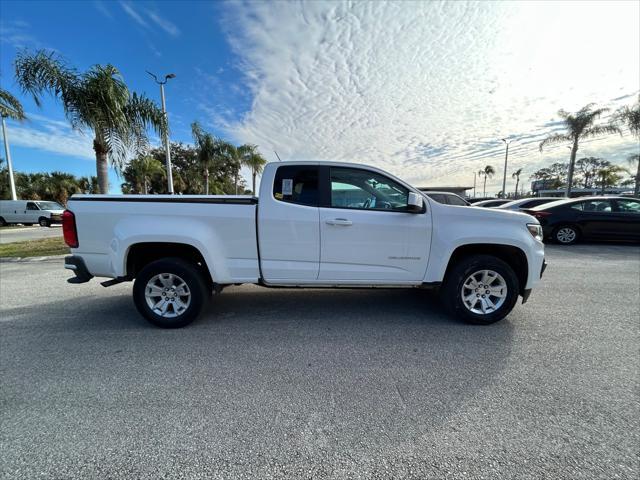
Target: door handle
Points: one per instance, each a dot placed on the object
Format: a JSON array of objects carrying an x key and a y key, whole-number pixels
[{"x": 343, "y": 222}]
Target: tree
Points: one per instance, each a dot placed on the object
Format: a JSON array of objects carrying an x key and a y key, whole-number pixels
[
  {"x": 488, "y": 171},
  {"x": 588, "y": 168},
  {"x": 609, "y": 176},
  {"x": 254, "y": 161},
  {"x": 634, "y": 160},
  {"x": 216, "y": 152},
  {"x": 516, "y": 175},
  {"x": 142, "y": 170},
  {"x": 97, "y": 100},
  {"x": 579, "y": 126},
  {"x": 630, "y": 117}
]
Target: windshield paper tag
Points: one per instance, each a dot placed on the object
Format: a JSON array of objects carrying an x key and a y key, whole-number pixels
[{"x": 287, "y": 186}]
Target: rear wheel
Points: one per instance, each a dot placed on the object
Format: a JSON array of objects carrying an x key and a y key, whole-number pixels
[
  {"x": 170, "y": 292},
  {"x": 480, "y": 289},
  {"x": 3, "y": 222},
  {"x": 566, "y": 234},
  {"x": 44, "y": 222}
]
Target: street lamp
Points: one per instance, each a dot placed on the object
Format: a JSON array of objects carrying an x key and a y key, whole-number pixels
[
  {"x": 166, "y": 132},
  {"x": 8, "y": 155},
  {"x": 504, "y": 178}
]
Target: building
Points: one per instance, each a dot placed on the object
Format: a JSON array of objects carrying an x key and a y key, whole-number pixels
[{"x": 462, "y": 191}]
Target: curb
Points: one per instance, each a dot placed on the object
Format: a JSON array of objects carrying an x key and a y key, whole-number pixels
[{"x": 30, "y": 259}]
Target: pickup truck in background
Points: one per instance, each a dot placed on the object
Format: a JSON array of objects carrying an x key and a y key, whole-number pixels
[{"x": 314, "y": 224}]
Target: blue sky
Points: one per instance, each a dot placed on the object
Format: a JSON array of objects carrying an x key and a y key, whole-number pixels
[{"x": 423, "y": 89}]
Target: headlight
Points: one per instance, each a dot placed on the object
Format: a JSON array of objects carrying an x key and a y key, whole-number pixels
[{"x": 535, "y": 230}]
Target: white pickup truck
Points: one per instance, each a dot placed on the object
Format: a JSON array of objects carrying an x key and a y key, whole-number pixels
[{"x": 315, "y": 224}]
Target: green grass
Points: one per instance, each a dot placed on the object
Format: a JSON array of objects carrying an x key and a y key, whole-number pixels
[{"x": 34, "y": 248}]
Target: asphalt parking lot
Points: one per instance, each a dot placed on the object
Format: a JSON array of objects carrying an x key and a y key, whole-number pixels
[{"x": 322, "y": 383}]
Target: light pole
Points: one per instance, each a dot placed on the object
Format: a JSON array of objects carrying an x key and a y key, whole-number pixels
[
  {"x": 504, "y": 178},
  {"x": 474, "y": 184},
  {"x": 166, "y": 132},
  {"x": 8, "y": 155}
]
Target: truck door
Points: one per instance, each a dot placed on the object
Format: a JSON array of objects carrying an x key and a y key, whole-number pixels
[
  {"x": 367, "y": 233},
  {"x": 288, "y": 226}
]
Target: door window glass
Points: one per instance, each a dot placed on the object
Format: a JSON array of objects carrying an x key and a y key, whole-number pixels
[
  {"x": 456, "y": 200},
  {"x": 631, "y": 206},
  {"x": 365, "y": 190},
  {"x": 594, "y": 206},
  {"x": 297, "y": 184},
  {"x": 31, "y": 206},
  {"x": 438, "y": 197}
]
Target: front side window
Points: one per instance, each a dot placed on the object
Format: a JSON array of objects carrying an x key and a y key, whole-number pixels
[
  {"x": 297, "y": 184},
  {"x": 31, "y": 206},
  {"x": 365, "y": 190}
]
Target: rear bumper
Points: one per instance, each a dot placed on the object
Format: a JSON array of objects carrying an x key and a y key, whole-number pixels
[{"x": 78, "y": 267}]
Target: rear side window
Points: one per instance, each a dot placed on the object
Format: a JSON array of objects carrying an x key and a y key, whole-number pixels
[
  {"x": 456, "y": 200},
  {"x": 297, "y": 184},
  {"x": 437, "y": 197}
]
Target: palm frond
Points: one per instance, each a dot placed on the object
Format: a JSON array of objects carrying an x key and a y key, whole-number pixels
[
  {"x": 599, "y": 130},
  {"x": 10, "y": 106},
  {"x": 555, "y": 139}
]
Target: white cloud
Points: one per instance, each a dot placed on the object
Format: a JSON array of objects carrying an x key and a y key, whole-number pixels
[
  {"x": 164, "y": 24},
  {"x": 129, "y": 10},
  {"x": 426, "y": 90},
  {"x": 50, "y": 135},
  {"x": 159, "y": 21}
]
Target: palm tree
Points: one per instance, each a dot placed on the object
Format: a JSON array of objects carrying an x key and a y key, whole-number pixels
[
  {"x": 488, "y": 171},
  {"x": 10, "y": 107},
  {"x": 516, "y": 175},
  {"x": 609, "y": 176},
  {"x": 251, "y": 158},
  {"x": 144, "y": 169},
  {"x": 579, "y": 125},
  {"x": 96, "y": 100},
  {"x": 211, "y": 151},
  {"x": 630, "y": 117}
]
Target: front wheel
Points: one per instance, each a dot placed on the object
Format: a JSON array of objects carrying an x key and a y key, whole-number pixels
[
  {"x": 480, "y": 289},
  {"x": 170, "y": 292},
  {"x": 44, "y": 222},
  {"x": 566, "y": 234}
]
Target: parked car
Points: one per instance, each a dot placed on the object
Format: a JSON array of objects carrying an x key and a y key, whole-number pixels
[
  {"x": 596, "y": 218},
  {"x": 313, "y": 225},
  {"x": 28, "y": 212},
  {"x": 495, "y": 202},
  {"x": 525, "y": 203},
  {"x": 447, "y": 198}
]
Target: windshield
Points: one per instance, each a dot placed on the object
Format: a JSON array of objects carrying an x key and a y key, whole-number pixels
[{"x": 49, "y": 206}]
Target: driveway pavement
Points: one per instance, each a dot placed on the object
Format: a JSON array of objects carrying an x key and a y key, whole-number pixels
[
  {"x": 19, "y": 234},
  {"x": 324, "y": 384}
]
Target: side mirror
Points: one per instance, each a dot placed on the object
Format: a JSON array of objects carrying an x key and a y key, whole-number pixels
[{"x": 415, "y": 203}]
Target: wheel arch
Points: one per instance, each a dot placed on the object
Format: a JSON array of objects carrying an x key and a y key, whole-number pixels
[
  {"x": 513, "y": 256},
  {"x": 140, "y": 254}
]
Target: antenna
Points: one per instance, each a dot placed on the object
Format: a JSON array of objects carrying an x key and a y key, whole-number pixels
[{"x": 279, "y": 159}]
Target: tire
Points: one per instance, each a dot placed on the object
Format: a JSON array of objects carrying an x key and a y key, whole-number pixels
[
  {"x": 180, "y": 310},
  {"x": 44, "y": 222},
  {"x": 566, "y": 235},
  {"x": 3, "y": 222},
  {"x": 502, "y": 281}
]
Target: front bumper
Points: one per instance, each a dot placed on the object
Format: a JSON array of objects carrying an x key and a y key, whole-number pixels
[
  {"x": 78, "y": 267},
  {"x": 527, "y": 292}
]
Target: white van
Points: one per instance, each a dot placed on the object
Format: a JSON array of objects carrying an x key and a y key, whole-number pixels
[{"x": 28, "y": 212}]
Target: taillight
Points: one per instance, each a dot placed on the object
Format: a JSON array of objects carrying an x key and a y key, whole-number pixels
[{"x": 69, "y": 230}]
